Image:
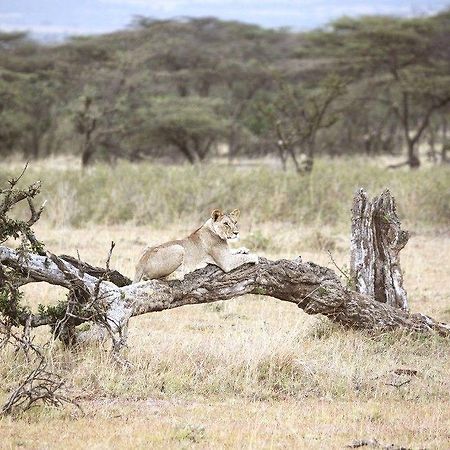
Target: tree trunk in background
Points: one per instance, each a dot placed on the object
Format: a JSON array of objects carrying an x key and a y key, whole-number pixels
[
  {"x": 376, "y": 241},
  {"x": 445, "y": 142},
  {"x": 35, "y": 144},
  {"x": 432, "y": 154},
  {"x": 87, "y": 154},
  {"x": 413, "y": 159}
]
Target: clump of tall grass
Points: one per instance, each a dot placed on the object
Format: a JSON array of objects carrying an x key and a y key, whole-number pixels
[
  {"x": 261, "y": 365},
  {"x": 153, "y": 194}
]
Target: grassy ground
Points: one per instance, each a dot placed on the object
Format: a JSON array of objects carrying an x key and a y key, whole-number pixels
[
  {"x": 153, "y": 194},
  {"x": 252, "y": 372}
]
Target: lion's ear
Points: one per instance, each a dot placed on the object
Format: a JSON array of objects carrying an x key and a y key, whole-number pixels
[
  {"x": 215, "y": 214},
  {"x": 235, "y": 214}
]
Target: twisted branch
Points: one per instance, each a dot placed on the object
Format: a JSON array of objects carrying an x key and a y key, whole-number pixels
[{"x": 315, "y": 289}]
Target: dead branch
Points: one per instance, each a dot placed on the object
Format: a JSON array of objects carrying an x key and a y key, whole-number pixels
[
  {"x": 98, "y": 272},
  {"x": 40, "y": 385},
  {"x": 315, "y": 289}
]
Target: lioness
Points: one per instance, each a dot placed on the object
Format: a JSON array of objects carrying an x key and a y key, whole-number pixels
[{"x": 207, "y": 245}]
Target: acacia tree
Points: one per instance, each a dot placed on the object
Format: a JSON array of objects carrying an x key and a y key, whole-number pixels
[
  {"x": 175, "y": 53},
  {"x": 11, "y": 117},
  {"x": 96, "y": 94},
  {"x": 405, "y": 61},
  {"x": 191, "y": 125},
  {"x": 27, "y": 95},
  {"x": 296, "y": 115}
]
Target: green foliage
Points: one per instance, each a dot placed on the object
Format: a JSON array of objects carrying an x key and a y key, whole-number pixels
[
  {"x": 13, "y": 228},
  {"x": 54, "y": 312},
  {"x": 27, "y": 95},
  {"x": 191, "y": 124},
  {"x": 11, "y": 39},
  {"x": 296, "y": 115},
  {"x": 404, "y": 64},
  {"x": 10, "y": 307},
  {"x": 177, "y": 89}
]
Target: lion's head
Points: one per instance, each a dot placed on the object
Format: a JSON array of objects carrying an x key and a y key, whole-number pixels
[{"x": 225, "y": 224}]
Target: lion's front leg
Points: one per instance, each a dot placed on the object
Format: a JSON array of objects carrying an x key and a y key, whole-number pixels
[{"x": 228, "y": 261}]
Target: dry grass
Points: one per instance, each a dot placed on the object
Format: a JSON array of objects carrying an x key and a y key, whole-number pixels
[
  {"x": 149, "y": 193},
  {"x": 233, "y": 423},
  {"x": 252, "y": 372}
]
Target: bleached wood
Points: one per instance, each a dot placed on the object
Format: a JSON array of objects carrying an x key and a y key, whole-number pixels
[
  {"x": 315, "y": 289},
  {"x": 376, "y": 242}
]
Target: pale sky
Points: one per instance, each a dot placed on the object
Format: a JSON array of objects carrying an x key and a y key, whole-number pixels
[{"x": 48, "y": 18}]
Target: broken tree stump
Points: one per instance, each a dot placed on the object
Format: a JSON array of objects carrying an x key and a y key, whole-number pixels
[{"x": 376, "y": 241}]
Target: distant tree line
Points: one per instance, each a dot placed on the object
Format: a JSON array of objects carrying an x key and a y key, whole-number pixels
[{"x": 191, "y": 89}]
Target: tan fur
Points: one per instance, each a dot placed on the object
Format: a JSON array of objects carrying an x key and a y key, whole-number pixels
[{"x": 207, "y": 245}]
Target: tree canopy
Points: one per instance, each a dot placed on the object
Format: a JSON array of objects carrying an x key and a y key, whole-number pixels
[{"x": 184, "y": 88}]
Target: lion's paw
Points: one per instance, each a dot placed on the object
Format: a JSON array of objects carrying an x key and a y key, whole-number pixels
[{"x": 253, "y": 258}]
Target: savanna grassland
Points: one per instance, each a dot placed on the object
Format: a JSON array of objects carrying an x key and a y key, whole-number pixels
[{"x": 252, "y": 372}]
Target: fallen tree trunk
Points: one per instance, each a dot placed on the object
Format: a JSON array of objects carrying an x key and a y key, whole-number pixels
[{"x": 315, "y": 289}]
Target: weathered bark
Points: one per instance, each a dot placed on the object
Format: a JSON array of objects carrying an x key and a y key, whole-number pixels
[
  {"x": 376, "y": 241},
  {"x": 315, "y": 289},
  {"x": 98, "y": 272}
]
